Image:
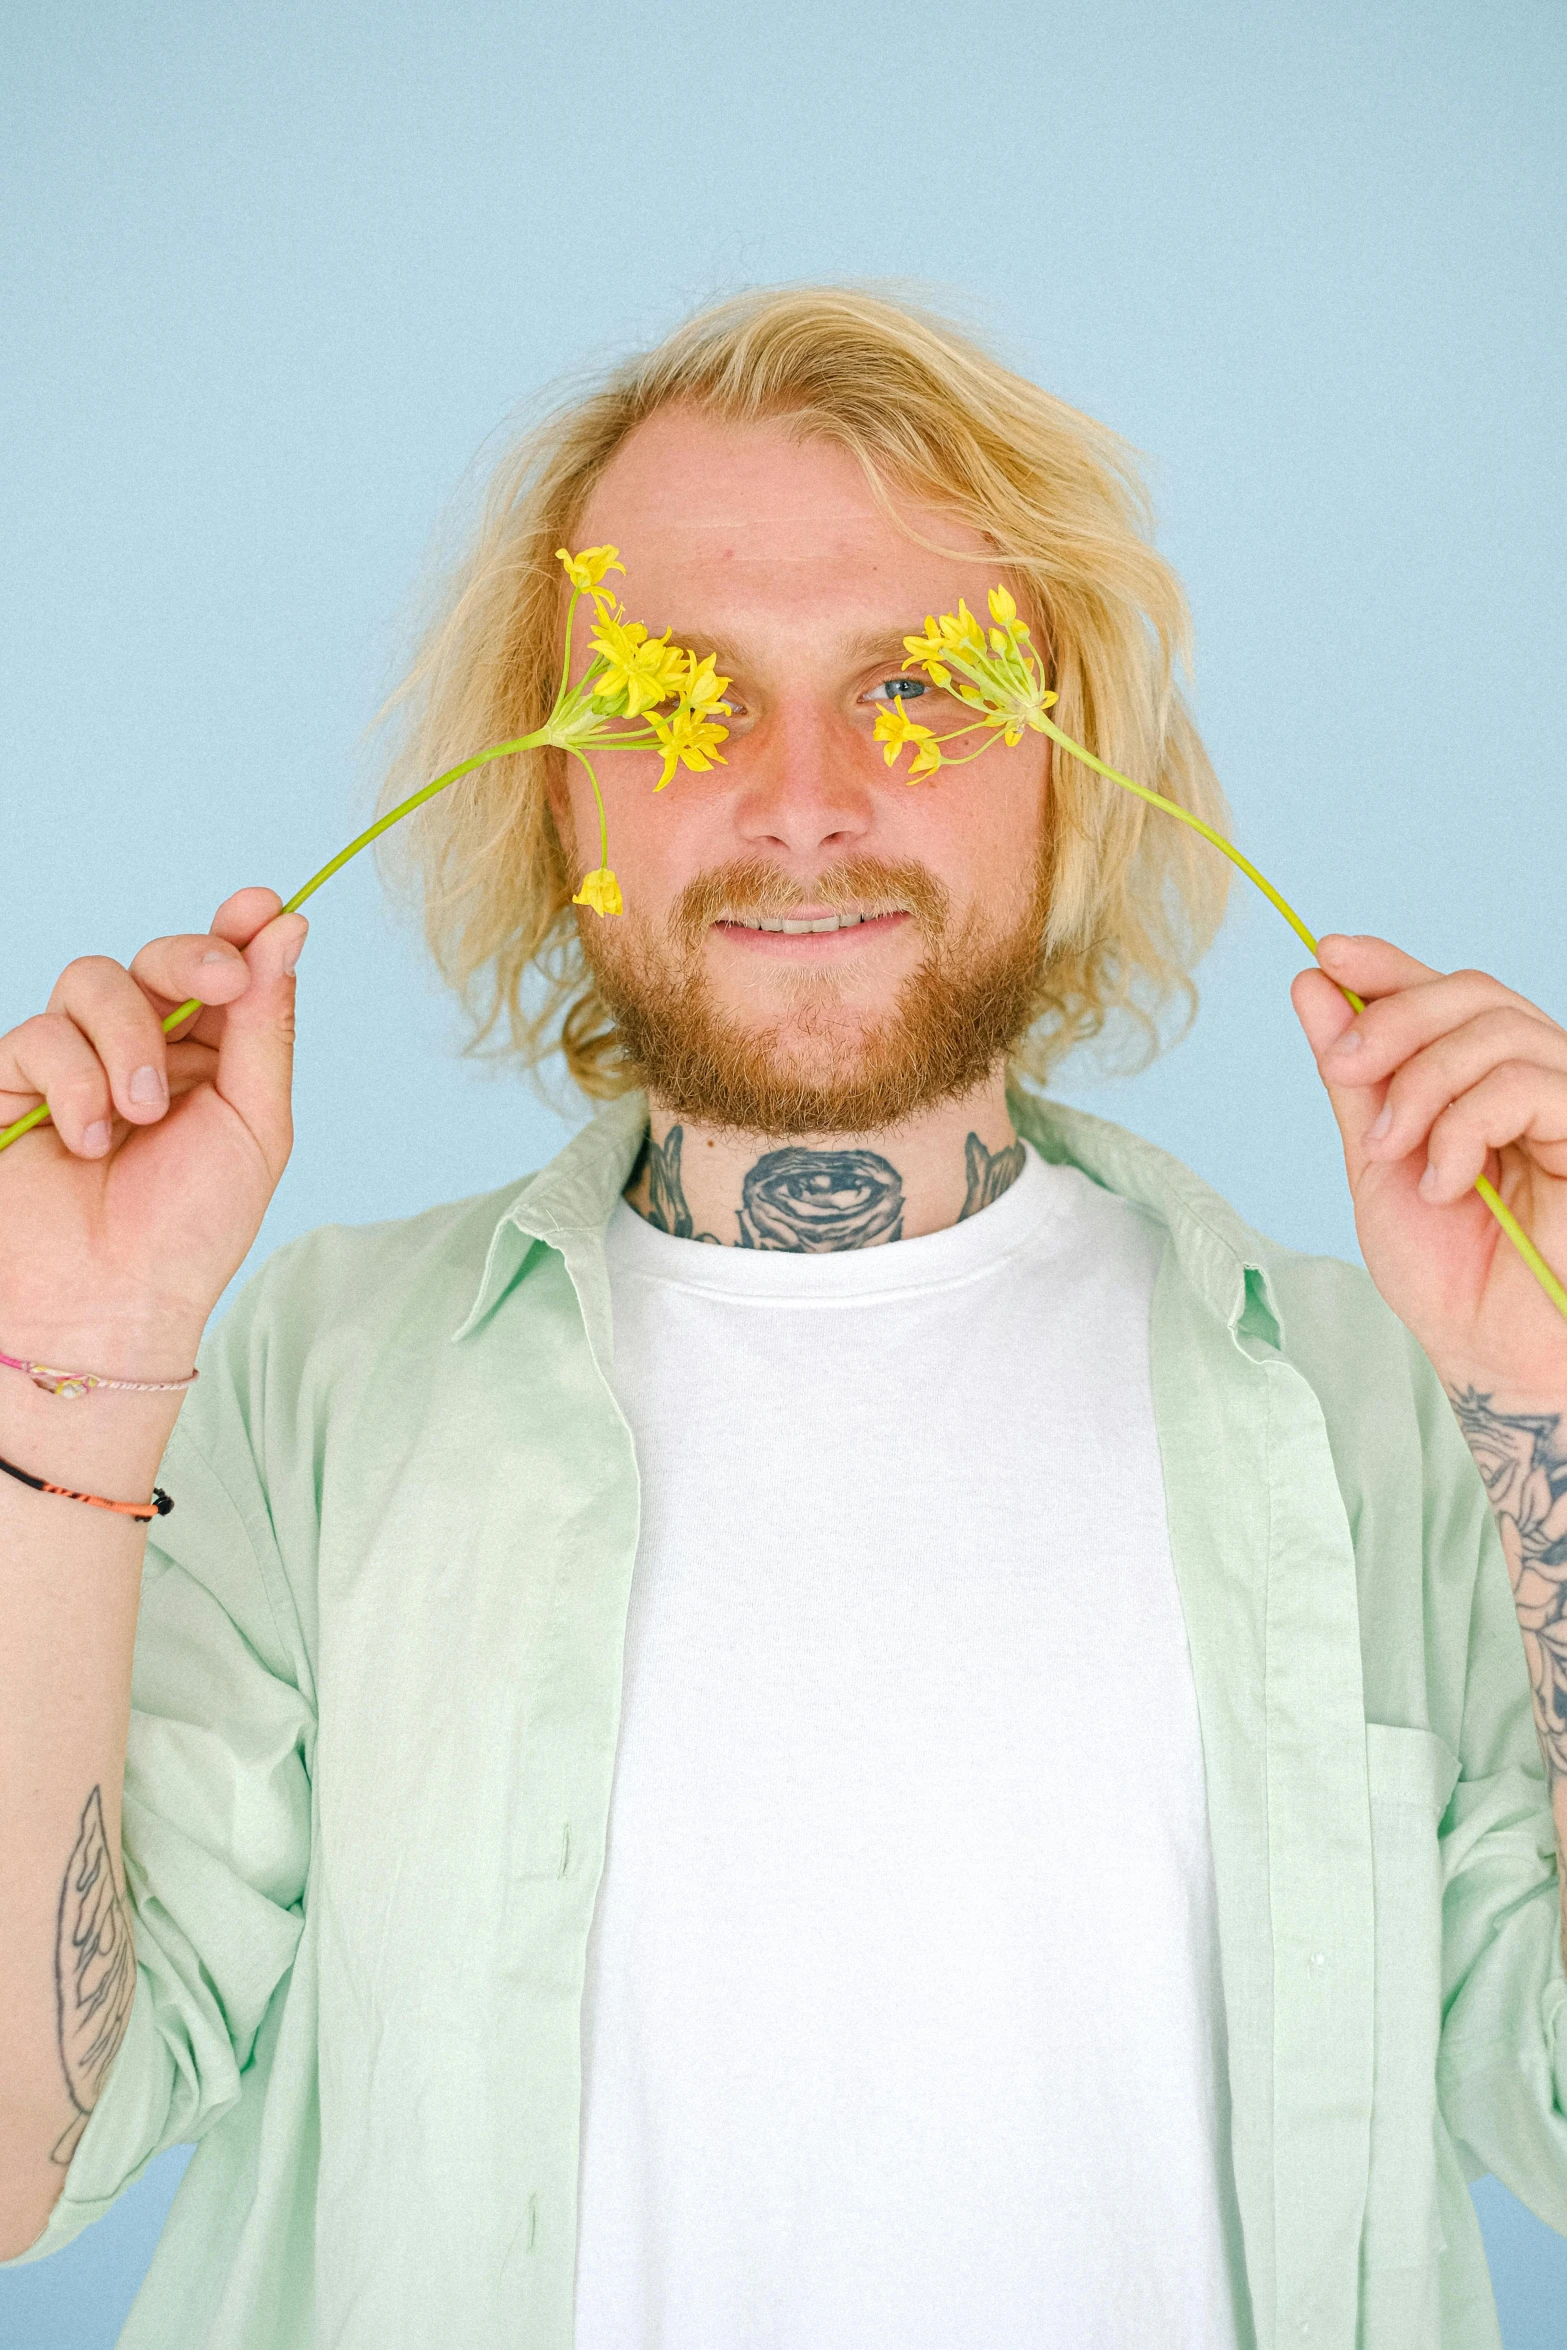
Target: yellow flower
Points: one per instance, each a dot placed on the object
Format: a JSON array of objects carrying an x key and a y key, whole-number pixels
[
  {"x": 895, "y": 727},
  {"x": 643, "y": 670},
  {"x": 586, "y": 570},
  {"x": 925, "y": 761},
  {"x": 601, "y": 891},
  {"x": 700, "y": 689},
  {"x": 1003, "y": 608},
  {"x": 688, "y": 735}
]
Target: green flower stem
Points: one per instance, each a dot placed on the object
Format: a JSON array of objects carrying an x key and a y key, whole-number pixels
[
  {"x": 525, "y": 742},
  {"x": 1509, "y": 1223},
  {"x": 1172, "y": 808},
  {"x": 599, "y": 796}
]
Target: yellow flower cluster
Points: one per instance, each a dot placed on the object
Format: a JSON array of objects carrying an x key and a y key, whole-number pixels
[
  {"x": 632, "y": 676},
  {"x": 995, "y": 675}
]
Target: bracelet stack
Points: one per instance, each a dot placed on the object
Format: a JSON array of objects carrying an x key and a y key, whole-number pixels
[{"x": 68, "y": 1386}]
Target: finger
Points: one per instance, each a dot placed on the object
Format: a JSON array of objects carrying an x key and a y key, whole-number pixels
[
  {"x": 122, "y": 1028},
  {"x": 170, "y": 974},
  {"x": 256, "y": 1053},
  {"x": 171, "y": 970},
  {"x": 1394, "y": 1026},
  {"x": 1421, "y": 1087},
  {"x": 48, "y": 1058},
  {"x": 1517, "y": 1103},
  {"x": 1371, "y": 966},
  {"x": 190, "y": 1065},
  {"x": 1325, "y": 1016},
  {"x": 246, "y": 913}
]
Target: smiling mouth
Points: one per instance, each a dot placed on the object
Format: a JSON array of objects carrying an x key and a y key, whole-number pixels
[{"x": 795, "y": 927}]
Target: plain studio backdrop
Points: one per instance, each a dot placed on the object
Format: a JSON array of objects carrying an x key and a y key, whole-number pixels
[{"x": 280, "y": 279}]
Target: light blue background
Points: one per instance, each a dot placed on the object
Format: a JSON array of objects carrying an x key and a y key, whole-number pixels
[{"x": 276, "y": 275}]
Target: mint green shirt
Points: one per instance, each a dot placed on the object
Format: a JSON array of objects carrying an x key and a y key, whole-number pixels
[{"x": 375, "y": 1711}]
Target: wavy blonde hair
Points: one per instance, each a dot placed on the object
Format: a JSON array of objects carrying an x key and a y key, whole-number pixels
[{"x": 1134, "y": 897}]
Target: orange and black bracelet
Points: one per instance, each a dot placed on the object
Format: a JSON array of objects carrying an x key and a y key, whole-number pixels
[{"x": 159, "y": 1506}]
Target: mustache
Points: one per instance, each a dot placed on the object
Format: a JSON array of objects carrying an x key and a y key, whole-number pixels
[{"x": 751, "y": 889}]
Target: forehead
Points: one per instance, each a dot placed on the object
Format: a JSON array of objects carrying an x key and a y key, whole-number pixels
[{"x": 757, "y": 522}]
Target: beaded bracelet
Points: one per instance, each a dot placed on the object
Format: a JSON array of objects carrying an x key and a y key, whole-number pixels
[
  {"x": 159, "y": 1506},
  {"x": 70, "y": 1384}
]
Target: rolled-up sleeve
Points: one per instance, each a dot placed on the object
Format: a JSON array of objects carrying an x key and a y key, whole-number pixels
[
  {"x": 1503, "y": 2061},
  {"x": 215, "y": 1836}
]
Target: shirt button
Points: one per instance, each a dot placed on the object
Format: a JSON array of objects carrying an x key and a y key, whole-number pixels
[{"x": 1319, "y": 1959}]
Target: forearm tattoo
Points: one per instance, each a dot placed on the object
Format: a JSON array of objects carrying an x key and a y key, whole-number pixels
[
  {"x": 94, "y": 1972},
  {"x": 812, "y": 1201},
  {"x": 1523, "y": 1459}
]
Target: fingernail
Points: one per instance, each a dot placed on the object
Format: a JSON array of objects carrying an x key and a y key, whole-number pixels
[
  {"x": 292, "y": 954},
  {"x": 147, "y": 1085},
  {"x": 214, "y": 957},
  {"x": 1350, "y": 1042},
  {"x": 1428, "y": 1181},
  {"x": 1381, "y": 1124},
  {"x": 97, "y": 1138}
]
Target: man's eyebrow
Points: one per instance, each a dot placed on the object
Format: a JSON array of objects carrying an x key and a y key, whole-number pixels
[
  {"x": 737, "y": 656},
  {"x": 864, "y": 650}
]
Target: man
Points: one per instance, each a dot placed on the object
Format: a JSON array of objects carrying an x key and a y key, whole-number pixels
[{"x": 852, "y": 1717}]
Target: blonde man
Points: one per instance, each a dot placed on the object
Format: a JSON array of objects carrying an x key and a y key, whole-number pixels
[{"x": 850, "y": 1717}]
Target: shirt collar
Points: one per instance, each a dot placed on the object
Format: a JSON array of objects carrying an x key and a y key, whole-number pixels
[{"x": 1223, "y": 1260}]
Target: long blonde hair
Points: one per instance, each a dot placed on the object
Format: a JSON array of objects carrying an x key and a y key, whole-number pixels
[{"x": 1134, "y": 897}]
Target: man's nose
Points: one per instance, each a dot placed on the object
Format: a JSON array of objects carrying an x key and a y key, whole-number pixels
[{"x": 804, "y": 788}]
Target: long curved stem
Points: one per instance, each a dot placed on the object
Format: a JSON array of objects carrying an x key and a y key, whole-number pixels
[
  {"x": 1503, "y": 1214},
  {"x": 182, "y": 1012}
]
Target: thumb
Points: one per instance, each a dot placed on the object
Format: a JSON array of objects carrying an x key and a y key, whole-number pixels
[
  {"x": 256, "y": 1050},
  {"x": 1324, "y": 1015}
]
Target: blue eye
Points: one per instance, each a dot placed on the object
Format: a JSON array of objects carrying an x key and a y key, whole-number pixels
[{"x": 897, "y": 689}]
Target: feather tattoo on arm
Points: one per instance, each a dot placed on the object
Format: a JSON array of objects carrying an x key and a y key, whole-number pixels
[{"x": 94, "y": 1972}]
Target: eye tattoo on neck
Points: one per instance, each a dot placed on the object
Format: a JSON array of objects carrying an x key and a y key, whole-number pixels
[
  {"x": 811, "y": 1202},
  {"x": 816, "y": 1201}
]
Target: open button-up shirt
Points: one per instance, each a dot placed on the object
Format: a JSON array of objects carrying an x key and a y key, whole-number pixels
[{"x": 375, "y": 1711}]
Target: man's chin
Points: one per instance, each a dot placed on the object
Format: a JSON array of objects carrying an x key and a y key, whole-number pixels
[
  {"x": 817, "y": 1063},
  {"x": 839, "y": 1074}
]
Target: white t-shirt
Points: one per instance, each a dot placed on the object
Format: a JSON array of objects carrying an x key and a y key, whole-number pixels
[{"x": 902, "y": 2026}]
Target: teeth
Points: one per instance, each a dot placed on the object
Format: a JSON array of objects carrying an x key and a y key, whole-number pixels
[{"x": 794, "y": 929}]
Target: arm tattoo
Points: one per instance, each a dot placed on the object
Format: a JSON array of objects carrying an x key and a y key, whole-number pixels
[
  {"x": 990, "y": 1173},
  {"x": 1523, "y": 1460},
  {"x": 94, "y": 1972},
  {"x": 818, "y": 1201}
]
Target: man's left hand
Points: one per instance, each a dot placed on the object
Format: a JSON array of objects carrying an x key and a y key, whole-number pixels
[{"x": 1444, "y": 1077}]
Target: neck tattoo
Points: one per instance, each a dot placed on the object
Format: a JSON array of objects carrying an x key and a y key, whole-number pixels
[{"x": 812, "y": 1201}]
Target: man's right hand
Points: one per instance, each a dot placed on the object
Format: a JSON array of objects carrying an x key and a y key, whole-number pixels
[{"x": 122, "y": 1221}]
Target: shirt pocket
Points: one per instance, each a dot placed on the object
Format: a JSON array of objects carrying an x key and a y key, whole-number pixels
[{"x": 1411, "y": 1774}]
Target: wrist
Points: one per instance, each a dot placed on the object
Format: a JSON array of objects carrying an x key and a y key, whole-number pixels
[{"x": 136, "y": 1348}]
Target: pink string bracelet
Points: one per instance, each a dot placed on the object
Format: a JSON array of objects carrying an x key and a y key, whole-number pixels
[{"x": 70, "y": 1384}]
